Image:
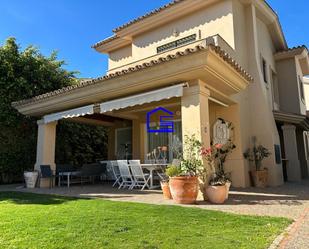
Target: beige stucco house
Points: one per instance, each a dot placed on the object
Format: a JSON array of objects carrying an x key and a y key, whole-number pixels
[{"x": 201, "y": 60}]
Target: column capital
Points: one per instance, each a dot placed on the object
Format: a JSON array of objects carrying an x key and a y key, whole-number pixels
[
  {"x": 197, "y": 87},
  {"x": 286, "y": 127},
  {"x": 41, "y": 122}
]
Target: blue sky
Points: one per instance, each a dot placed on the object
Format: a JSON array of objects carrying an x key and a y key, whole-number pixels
[{"x": 72, "y": 26}]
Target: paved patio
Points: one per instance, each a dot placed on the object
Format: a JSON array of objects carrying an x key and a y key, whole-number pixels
[{"x": 290, "y": 200}]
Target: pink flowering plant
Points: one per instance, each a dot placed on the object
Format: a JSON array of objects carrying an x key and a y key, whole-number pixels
[{"x": 216, "y": 156}]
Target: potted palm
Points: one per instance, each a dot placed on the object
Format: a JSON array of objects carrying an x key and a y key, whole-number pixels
[
  {"x": 184, "y": 179},
  {"x": 257, "y": 154},
  {"x": 217, "y": 188}
]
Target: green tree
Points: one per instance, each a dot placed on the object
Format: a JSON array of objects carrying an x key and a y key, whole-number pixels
[{"x": 24, "y": 74}]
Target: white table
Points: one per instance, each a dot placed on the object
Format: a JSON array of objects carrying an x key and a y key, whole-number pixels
[{"x": 151, "y": 167}]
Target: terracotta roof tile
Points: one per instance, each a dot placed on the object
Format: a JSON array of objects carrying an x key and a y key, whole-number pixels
[
  {"x": 225, "y": 56},
  {"x": 293, "y": 49},
  {"x": 151, "y": 13},
  {"x": 107, "y": 40}
]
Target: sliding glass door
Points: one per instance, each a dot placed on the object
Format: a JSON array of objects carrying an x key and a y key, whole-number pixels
[
  {"x": 164, "y": 145},
  {"x": 123, "y": 146}
]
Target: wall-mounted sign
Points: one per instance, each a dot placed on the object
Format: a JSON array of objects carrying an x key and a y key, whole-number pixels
[{"x": 221, "y": 132}]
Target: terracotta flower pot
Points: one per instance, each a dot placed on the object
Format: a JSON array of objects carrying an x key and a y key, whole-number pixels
[
  {"x": 216, "y": 194},
  {"x": 184, "y": 189},
  {"x": 259, "y": 178},
  {"x": 166, "y": 190}
]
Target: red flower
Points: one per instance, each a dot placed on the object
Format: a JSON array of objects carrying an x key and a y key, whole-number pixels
[
  {"x": 218, "y": 146},
  {"x": 206, "y": 152}
]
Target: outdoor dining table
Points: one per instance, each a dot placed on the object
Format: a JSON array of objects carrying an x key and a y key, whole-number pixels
[
  {"x": 151, "y": 167},
  {"x": 68, "y": 176}
]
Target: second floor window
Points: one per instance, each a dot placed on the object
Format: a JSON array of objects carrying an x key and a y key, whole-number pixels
[
  {"x": 177, "y": 43},
  {"x": 301, "y": 88},
  {"x": 264, "y": 69}
]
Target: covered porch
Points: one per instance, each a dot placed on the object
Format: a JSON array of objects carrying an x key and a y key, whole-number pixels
[{"x": 196, "y": 86}]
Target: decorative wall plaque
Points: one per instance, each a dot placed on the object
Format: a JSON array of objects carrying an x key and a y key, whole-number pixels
[{"x": 221, "y": 132}]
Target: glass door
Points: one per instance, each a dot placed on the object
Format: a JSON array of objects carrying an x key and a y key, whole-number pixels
[
  {"x": 165, "y": 145},
  {"x": 123, "y": 146}
]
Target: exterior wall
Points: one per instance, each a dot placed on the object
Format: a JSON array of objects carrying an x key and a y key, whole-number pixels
[
  {"x": 289, "y": 72},
  {"x": 299, "y": 78},
  {"x": 216, "y": 19},
  {"x": 266, "y": 51},
  {"x": 240, "y": 34},
  {"x": 235, "y": 164},
  {"x": 121, "y": 56},
  {"x": 252, "y": 34},
  {"x": 288, "y": 90}
]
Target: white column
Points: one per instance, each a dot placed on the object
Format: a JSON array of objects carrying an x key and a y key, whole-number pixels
[
  {"x": 46, "y": 144},
  {"x": 291, "y": 153}
]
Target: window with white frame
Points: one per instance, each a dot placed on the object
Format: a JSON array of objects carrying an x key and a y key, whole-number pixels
[
  {"x": 264, "y": 70},
  {"x": 301, "y": 88},
  {"x": 275, "y": 90}
]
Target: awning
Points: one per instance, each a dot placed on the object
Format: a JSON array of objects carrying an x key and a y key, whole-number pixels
[
  {"x": 73, "y": 113},
  {"x": 144, "y": 98}
]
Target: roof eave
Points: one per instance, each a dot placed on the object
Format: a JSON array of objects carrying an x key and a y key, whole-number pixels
[{"x": 32, "y": 106}]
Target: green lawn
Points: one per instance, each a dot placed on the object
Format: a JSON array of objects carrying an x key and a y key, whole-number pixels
[{"x": 43, "y": 221}]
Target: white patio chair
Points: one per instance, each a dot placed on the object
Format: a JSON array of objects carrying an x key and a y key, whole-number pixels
[
  {"x": 126, "y": 177},
  {"x": 116, "y": 172},
  {"x": 141, "y": 179}
]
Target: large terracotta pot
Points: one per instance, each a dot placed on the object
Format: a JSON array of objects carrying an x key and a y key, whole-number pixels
[
  {"x": 166, "y": 190},
  {"x": 184, "y": 189},
  {"x": 259, "y": 178},
  {"x": 216, "y": 194}
]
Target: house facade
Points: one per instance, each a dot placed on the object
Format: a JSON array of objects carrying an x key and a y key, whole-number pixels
[{"x": 203, "y": 61}]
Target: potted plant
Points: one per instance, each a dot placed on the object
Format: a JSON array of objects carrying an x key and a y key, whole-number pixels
[
  {"x": 166, "y": 189},
  {"x": 171, "y": 171},
  {"x": 31, "y": 178},
  {"x": 217, "y": 188},
  {"x": 257, "y": 154},
  {"x": 184, "y": 179}
]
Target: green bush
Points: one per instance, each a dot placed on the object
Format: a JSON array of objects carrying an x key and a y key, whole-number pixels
[{"x": 24, "y": 74}]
